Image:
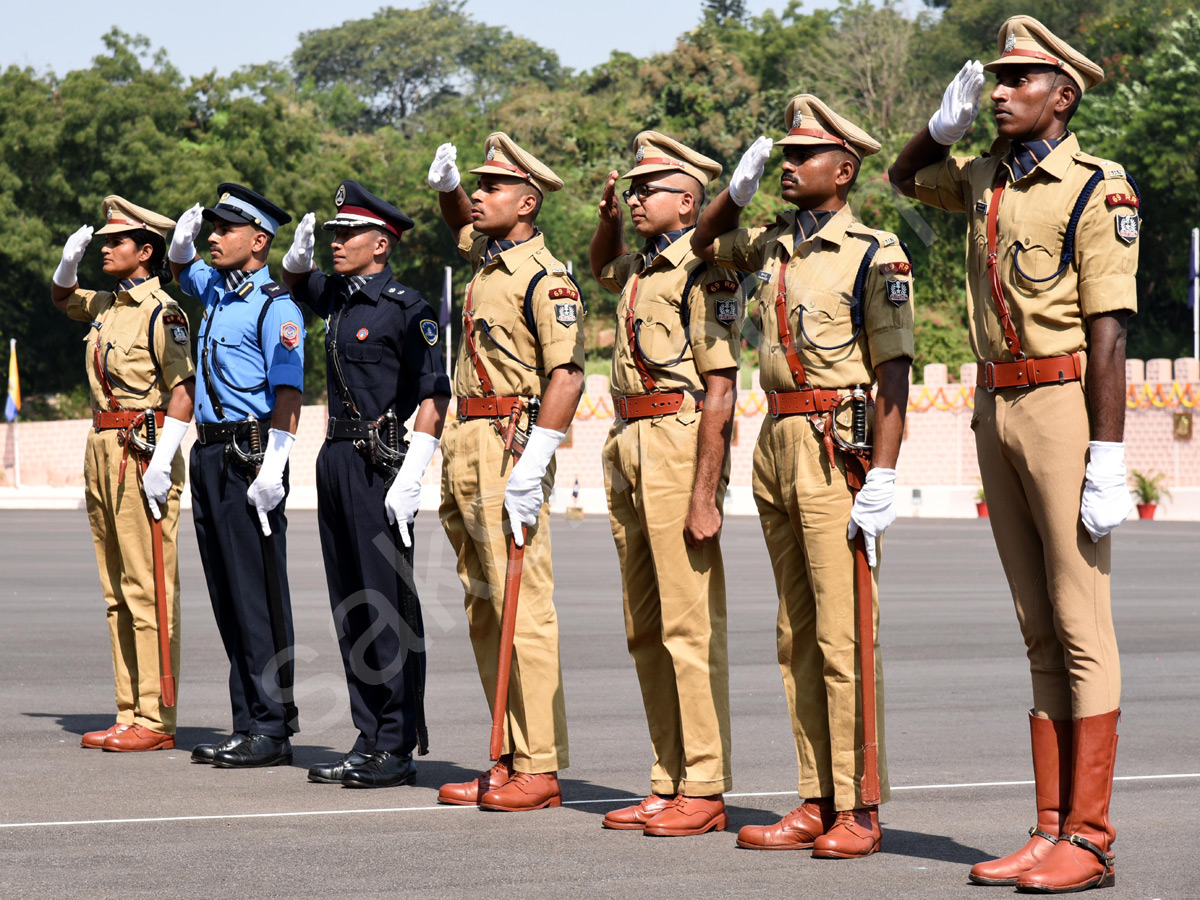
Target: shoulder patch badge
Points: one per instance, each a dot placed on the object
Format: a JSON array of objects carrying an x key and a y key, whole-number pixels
[
  {"x": 895, "y": 268},
  {"x": 361, "y": 334},
  {"x": 721, "y": 284},
  {"x": 1127, "y": 228},
  {"x": 898, "y": 292},
  {"x": 727, "y": 311},
  {"x": 289, "y": 335},
  {"x": 1122, "y": 200},
  {"x": 566, "y": 313},
  {"x": 559, "y": 292},
  {"x": 429, "y": 331},
  {"x": 174, "y": 318}
]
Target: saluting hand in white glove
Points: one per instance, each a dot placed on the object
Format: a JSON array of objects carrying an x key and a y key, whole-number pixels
[
  {"x": 299, "y": 258},
  {"x": 744, "y": 183},
  {"x": 67, "y": 273},
  {"x": 183, "y": 241},
  {"x": 960, "y": 105},
  {"x": 1106, "y": 501},
  {"x": 874, "y": 509},
  {"x": 443, "y": 173}
]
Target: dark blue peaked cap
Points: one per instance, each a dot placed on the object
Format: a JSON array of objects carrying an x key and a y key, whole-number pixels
[
  {"x": 242, "y": 206},
  {"x": 359, "y": 208}
]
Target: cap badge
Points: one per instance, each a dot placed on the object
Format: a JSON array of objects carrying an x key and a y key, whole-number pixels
[
  {"x": 641, "y": 154},
  {"x": 224, "y": 197},
  {"x": 340, "y": 197},
  {"x": 491, "y": 154},
  {"x": 1010, "y": 42},
  {"x": 797, "y": 119}
]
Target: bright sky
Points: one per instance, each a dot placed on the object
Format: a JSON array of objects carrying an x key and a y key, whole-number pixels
[{"x": 65, "y": 35}]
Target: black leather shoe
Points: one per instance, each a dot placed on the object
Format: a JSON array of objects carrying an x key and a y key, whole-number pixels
[
  {"x": 256, "y": 750},
  {"x": 382, "y": 769},
  {"x": 204, "y": 753},
  {"x": 332, "y": 772}
]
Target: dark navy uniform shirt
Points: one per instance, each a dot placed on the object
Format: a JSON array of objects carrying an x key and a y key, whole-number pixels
[{"x": 388, "y": 342}]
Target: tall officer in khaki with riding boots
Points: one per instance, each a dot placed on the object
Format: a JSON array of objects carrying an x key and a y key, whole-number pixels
[
  {"x": 384, "y": 362},
  {"x": 142, "y": 381},
  {"x": 251, "y": 355},
  {"x": 1051, "y": 258},
  {"x": 666, "y": 467},
  {"x": 518, "y": 380},
  {"x": 836, "y": 301}
]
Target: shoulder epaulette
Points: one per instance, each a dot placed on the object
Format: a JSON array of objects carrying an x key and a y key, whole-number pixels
[{"x": 273, "y": 290}]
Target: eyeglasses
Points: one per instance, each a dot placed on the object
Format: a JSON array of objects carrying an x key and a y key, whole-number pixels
[{"x": 642, "y": 191}]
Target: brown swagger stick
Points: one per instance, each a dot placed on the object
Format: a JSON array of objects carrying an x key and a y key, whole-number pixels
[
  {"x": 856, "y": 473},
  {"x": 508, "y": 629}
]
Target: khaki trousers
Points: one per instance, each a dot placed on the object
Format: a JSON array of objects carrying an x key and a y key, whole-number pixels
[
  {"x": 475, "y": 470},
  {"x": 674, "y": 598},
  {"x": 805, "y": 509},
  {"x": 1032, "y": 447},
  {"x": 120, "y": 523}
]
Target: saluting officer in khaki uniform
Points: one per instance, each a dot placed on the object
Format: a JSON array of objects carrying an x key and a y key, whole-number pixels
[
  {"x": 1051, "y": 258},
  {"x": 139, "y": 366},
  {"x": 845, "y": 294},
  {"x": 521, "y": 362},
  {"x": 666, "y": 468}
]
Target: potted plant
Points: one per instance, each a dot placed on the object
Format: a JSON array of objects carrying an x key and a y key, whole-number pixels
[
  {"x": 981, "y": 504},
  {"x": 1149, "y": 491}
]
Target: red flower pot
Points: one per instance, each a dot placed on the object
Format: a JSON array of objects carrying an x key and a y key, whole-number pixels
[
  {"x": 1146, "y": 510},
  {"x": 981, "y": 508}
]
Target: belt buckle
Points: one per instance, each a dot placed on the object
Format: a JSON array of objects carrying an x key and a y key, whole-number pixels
[
  {"x": 623, "y": 408},
  {"x": 773, "y": 403},
  {"x": 329, "y": 429},
  {"x": 989, "y": 376}
]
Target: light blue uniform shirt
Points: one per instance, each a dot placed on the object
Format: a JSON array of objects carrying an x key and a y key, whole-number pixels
[{"x": 244, "y": 374}]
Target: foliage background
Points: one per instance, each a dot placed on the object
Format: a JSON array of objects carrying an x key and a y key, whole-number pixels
[{"x": 372, "y": 99}]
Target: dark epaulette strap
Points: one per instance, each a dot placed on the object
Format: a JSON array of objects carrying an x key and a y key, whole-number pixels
[
  {"x": 530, "y": 320},
  {"x": 860, "y": 283},
  {"x": 685, "y": 311},
  {"x": 907, "y": 253},
  {"x": 1068, "y": 247},
  {"x": 1136, "y": 192},
  {"x": 153, "y": 355},
  {"x": 262, "y": 315}
]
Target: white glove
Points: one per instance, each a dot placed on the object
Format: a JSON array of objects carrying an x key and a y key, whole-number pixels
[
  {"x": 67, "y": 273},
  {"x": 960, "y": 105},
  {"x": 523, "y": 496},
  {"x": 404, "y": 496},
  {"x": 443, "y": 173},
  {"x": 183, "y": 241},
  {"x": 267, "y": 490},
  {"x": 744, "y": 183},
  {"x": 874, "y": 508},
  {"x": 299, "y": 259},
  {"x": 156, "y": 482},
  {"x": 1106, "y": 501}
]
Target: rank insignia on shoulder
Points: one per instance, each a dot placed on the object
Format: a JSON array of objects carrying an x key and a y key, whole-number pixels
[
  {"x": 1122, "y": 200},
  {"x": 289, "y": 335},
  {"x": 721, "y": 284},
  {"x": 361, "y": 334},
  {"x": 557, "y": 270},
  {"x": 887, "y": 241},
  {"x": 898, "y": 292},
  {"x": 895, "y": 268},
  {"x": 566, "y": 313},
  {"x": 1116, "y": 173},
  {"x": 179, "y": 334},
  {"x": 1127, "y": 228},
  {"x": 429, "y": 331},
  {"x": 559, "y": 292},
  {"x": 727, "y": 311}
]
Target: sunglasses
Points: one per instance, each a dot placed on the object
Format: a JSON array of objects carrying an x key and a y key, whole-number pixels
[{"x": 642, "y": 191}]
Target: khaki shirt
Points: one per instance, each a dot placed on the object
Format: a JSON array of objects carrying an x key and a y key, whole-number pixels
[
  {"x": 498, "y": 299},
  {"x": 820, "y": 280},
  {"x": 1050, "y": 316},
  {"x": 121, "y": 326},
  {"x": 713, "y": 339}
]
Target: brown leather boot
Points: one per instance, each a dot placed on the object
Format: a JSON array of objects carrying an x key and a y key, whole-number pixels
[
  {"x": 1051, "y": 741},
  {"x": 524, "y": 792},
  {"x": 94, "y": 740},
  {"x": 687, "y": 816},
  {"x": 634, "y": 818},
  {"x": 1081, "y": 859},
  {"x": 855, "y": 833},
  {"x": 795, "y": 831},
  {"x": 137, "y": 739},
  {"x": 467, "y": 793}
]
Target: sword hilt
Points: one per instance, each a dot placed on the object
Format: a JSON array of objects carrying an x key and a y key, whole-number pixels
[{"x": 858, "y": 414}]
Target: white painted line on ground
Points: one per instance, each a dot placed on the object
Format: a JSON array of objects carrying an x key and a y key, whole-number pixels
[{"x": 400, "y": 809}]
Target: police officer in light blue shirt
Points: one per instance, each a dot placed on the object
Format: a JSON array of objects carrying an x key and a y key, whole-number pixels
[{"x": 251, "y": 347}]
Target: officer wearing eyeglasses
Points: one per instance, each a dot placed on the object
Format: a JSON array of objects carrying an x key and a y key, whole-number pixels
[{"x": 666, "y": 467}]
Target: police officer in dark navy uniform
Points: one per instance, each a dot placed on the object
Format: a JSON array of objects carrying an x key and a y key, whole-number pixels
[
  {"x": 251, "y": 353},
  {"x": 384, "y": 360}
]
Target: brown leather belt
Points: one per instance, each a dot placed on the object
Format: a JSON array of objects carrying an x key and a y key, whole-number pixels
[
  {"x": 220, "y": 432},
  {"x": 487, "y": 407},
  {"x": 660, "y": 403},
  {"x": 106, "y": 421},
  {"x": 800, "y": 403},
  {"x": 1024, "y": 373}
]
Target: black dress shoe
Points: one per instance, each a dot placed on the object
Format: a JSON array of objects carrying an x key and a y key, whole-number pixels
[
  {"x": 332, "y": 772},
  {"x": 257, "y": 750},
  {"x": 382, "y": 769},
  {"x": 204, "y": 753}
]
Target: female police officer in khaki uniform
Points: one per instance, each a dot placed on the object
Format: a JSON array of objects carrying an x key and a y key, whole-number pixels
[{"x": 139, "y": 366}]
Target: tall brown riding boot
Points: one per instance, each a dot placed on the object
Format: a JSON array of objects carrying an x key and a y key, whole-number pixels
[
  {"x": 1081, "y": 859},
  {"x": 1051, "y": 742}
]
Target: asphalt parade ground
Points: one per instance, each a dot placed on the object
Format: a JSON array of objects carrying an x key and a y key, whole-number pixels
[{"x": 78, "y": 823}]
